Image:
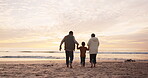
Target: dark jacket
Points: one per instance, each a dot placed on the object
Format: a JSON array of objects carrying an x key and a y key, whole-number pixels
[{"x": 69, "y": 42}]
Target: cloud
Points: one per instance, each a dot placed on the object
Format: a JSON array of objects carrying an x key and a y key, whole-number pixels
[
  {"x": 119, "y": 21},
  {"x": 133, "y": 40}
]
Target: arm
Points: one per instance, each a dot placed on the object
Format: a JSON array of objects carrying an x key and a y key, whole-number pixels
[
  {"x": 87, "y": 48},
  {"x": 88, "y": 44},
  {"x": 62, "y": 43},
  {"x": 98, "y": 42},
  {"x": 78, "y": 47},
  {"x": 76, "y": 41}
]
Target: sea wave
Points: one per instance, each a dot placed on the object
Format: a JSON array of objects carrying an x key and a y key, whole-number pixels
[
  {"x": 87, "y": 52},
  {"x": 51, "y": 57},
  {"x": 39, "y": 57}
]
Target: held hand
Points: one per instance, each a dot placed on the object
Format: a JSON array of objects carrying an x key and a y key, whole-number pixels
[
  {"x": 60, "y": 48},
  {"x": 78, "y": 46}
]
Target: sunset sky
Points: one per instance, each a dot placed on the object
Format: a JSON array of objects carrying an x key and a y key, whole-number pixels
[{"x": 119, "y": 24}]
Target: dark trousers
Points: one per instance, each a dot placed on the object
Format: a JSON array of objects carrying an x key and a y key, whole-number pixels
[
  {"x": 93, "y": 58},
  {"x": 69, "y": 55},
  {"x": 83, "y": 60}
]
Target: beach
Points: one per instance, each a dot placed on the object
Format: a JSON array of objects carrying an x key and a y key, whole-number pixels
[{"x": 58, "y": 69}]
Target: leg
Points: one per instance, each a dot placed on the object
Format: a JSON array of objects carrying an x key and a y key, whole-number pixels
[
  {"x": 81, "y": 61},
  {"x": 67, "y": 58},
  {"x": 91, "y": 60},
  {"x": 94, "y": 61},
  {"x": 84, "y": 61},
  {"x": 71, "y": 58}
]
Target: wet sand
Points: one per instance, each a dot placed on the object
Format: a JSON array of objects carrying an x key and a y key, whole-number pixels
[{"x": 58, "y": 69}]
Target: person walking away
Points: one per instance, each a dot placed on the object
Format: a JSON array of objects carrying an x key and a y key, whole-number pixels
[
  {"x": 93, "y": 45},
  {"x": 69, "y": 42},
  {"x": 83, "y": 50}
]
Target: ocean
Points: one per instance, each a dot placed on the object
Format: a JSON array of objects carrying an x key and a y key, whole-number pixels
[{"x": 57, "y": 55}]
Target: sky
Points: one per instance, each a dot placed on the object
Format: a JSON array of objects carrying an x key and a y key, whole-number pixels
[{"x": 119, "y": 24}]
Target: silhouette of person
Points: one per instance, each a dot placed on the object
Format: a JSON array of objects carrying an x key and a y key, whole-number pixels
[
  {"x": 93, "y": 45},
  {"x": 69, "y": 42},
  {"x": 83, "y": 50}
]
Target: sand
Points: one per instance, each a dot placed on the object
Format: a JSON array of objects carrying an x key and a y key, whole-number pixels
[{"x": 58, "y": 69}]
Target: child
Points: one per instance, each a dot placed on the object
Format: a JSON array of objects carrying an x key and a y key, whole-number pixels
[{"x": 82, "y": 53}]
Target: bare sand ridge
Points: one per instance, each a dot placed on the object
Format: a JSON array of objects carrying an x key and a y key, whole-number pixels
[{"x": 58, "y": 69}]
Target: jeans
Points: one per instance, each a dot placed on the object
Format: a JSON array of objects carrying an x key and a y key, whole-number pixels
[
  {"x": 93, "y": 58},
  {"x": 83, "y": 60},
  {"x": 69, "y": 54}
]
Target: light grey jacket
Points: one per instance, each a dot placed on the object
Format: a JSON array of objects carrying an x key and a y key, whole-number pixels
[{"x": 93, "y": 45}]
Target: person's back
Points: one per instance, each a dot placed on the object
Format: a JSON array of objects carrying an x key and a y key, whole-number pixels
[
  {"x": 83, "y": 50},
  {"x": 93, "y": 45},
  {"x": 69, "y": 42}
]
